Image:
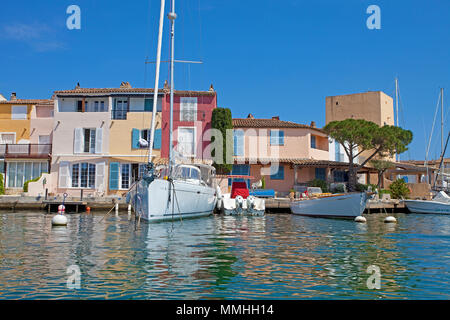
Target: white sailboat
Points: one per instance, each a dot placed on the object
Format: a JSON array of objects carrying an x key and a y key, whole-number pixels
[
  {"x": 439, "y": 204},
  {"x": 346, "y": 205},
  {"x": 175, "y": 191}
]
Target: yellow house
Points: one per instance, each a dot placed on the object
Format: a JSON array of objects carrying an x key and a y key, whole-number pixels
[{"x": 25, "y": 140}]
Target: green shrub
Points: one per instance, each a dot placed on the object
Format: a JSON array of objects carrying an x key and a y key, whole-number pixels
[
  {"x": 319, "y": 183},
  {"x": 2, "y": 187},
  {"x": 399, "y": 189},
  {"x": 25, "y": 185},
  {"x": 222, "y": 121},
  {"x": 384, "y": 191},
  {"x": 263, "y": 182},
  {"x": 339, "y": 189},
  {"x": 361, "y": 187}
]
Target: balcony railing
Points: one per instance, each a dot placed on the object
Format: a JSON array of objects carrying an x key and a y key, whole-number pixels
[{"x": 25, "y": 150}]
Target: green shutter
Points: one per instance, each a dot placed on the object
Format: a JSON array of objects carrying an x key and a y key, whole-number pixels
[
  {"x": 114, "y": 176},
  {"x": 157, "y": 139},
  {"x": 135, "y": 135}
]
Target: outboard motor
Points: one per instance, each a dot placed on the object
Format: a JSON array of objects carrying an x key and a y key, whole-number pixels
[
  {"x": 239, "y": 204},
  {"x": 251, "y": 202}
]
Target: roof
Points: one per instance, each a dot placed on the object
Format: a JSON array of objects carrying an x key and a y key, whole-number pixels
[
  {"x": 82, "y": 91},
  {"x": 297, "y": 161},
  {"x": 29, "y": 101},
  {"x": 269, "y": 123}
]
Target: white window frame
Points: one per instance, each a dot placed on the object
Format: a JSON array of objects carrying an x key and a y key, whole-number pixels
[
  {"x": 6, "y": 175},
  {"x": 19, "y": 116},
  {"x": 185, "y": 107},
  {"x": 1, "y": 138},
  {"x": 194, "y": 140},
  {"x": 79, "y": 175}
]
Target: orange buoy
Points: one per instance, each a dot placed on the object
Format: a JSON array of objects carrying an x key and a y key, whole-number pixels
[{"x": 88, "y": 209}]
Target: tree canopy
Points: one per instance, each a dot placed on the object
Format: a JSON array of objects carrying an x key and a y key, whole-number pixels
[
  {"x": 222, "y": 121},
  {"x": 358, "y": 136}
]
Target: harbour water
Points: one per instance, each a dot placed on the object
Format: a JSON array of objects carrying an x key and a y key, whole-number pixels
[{"x": 273, "y": 257}]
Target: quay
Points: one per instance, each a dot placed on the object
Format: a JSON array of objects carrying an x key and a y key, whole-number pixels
[{"x": 15, "y": 203}]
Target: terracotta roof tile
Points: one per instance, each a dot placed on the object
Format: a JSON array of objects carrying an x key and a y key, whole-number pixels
[
  {"x": 269, "y": 123},
  {"x": 129, "y": 90},
  {"x": 29, "y": 101}
]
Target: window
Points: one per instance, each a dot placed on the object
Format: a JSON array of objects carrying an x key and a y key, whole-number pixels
[
  {"x": 238, "y": 142},
  {"x": 276, "y": 137},
  {"x": 279, "y": 175},
  {"x": 340, "y": 176},
  {"x": 148, "y": 105},
  {"x": 337, "y": 151},
  {"x": 320, "y": 174},
  {"x": 79, "y": 106},
  {"x": 7, "y": 138},
  {"x": 83, "y": 175},
  {"x": 120, "y": 110},
  {"x": 89, "y": 140},
  {"x": 125, "y": 176},
  {"x": 19, "y": 112},
  {"x": 95, "y": 106},
  {"x": 188, "y": 108},
  {"x": 186, "y": 141},
  {"x": 20, "y": 172},
  {"x": 313, "y": 142}
]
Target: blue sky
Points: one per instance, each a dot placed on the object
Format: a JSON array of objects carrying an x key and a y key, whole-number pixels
[{"x": 263, "y": 57}]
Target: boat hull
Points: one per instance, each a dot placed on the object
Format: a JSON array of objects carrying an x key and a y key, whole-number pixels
[
  {"x": 337, "y": 206},
  {"x": 424, "y": 206},
  {"x": 162, "y": 200}
]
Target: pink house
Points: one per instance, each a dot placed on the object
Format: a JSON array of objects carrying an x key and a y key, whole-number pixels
[
  {"x": 192, "y": 112},
  {"x": 286, "y": 153}
]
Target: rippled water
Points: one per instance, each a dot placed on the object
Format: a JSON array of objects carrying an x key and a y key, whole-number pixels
[{"x": 276, "y": 256}]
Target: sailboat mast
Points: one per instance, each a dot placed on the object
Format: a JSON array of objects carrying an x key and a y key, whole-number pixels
[
  {"x": 396, "y": 109},
  {"x": 172, "y": 16},
  {"x": 155, "y": 93},
  {"x": 442, "y": 120}
]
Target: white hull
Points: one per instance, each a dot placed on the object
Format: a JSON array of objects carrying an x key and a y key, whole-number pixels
[
  {"x": 251, "y": 206},
  {"x": 424, "y": 206},
  {"x": 348, "y": 205},
  {"x": 162, "y": 201}
]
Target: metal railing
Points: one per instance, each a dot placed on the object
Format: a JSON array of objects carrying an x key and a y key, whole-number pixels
[{"x": 25, "y": 150}]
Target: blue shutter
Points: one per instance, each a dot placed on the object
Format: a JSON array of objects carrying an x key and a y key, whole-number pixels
[
  {"x": 148, "y": 105},
  {"x": 135, "y": 135},
  {"x": 279, "y": 175},
  {"x": 157, "y": 139},
  {"x": 313, "y": 142},
  {"x": 238, "y": 143},
  {"x": 114, "y": 176},
  {"x": 281, "y": 138},
  {"x": 273, "y": 137},
  {"x": 320, "y": 173}
]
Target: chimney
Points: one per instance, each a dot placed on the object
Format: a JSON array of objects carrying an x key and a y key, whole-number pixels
[
  {"x": 250, "y": 116},
  {"x": 276, "y": 118},
  {"x": 313, "y": 124},
  {"x": 13, "y": 96},
  {"x": 211, "y": 88},
  {"x": 125, "y": 85},
  {"x": 166, "y": 85},
  {"x": 77, "y": 86}
]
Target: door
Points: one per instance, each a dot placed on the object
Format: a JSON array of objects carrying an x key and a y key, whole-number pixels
[{"x": 186, "y": 141}]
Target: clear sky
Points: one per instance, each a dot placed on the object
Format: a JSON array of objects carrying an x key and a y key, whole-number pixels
[{"x": 264, "y": 57}]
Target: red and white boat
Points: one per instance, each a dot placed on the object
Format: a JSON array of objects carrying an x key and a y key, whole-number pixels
[{"x": 239, "y": 201}]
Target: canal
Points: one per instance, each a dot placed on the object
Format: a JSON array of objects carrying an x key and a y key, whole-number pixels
[{"x": 279, "y": 256}]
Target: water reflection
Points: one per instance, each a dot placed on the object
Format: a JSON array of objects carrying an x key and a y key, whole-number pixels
[{"x": 276, "y": 256}]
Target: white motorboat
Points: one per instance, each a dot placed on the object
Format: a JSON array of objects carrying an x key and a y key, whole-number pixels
[
  {"x": 344, "y": 205},
  {"x": 175, "y": 191},
  {"x": 239, "y": 201},
  {"x": 439, "y": 204}
]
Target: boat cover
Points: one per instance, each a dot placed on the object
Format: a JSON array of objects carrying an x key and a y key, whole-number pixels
[
  {"x": 442, "y": 197},
  {"x": 239, "y": 189}
]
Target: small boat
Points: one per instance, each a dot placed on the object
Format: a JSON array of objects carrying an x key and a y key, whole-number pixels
[
  {"x": 342, "y": 205},
  {"x": 439, "y": 204},
  {"x": 239, "y": 201}
]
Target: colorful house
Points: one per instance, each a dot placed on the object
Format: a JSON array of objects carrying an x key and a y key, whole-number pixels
[
  {"x": 99, "y": 134},
  {"x": 286, "y": 153},
  {"x": 25, "y": 140}
]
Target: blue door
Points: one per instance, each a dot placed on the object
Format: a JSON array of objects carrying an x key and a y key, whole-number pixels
[{"x": 240, "y": 169}]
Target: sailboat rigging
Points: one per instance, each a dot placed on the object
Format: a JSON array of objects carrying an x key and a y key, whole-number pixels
[{"x": 176, "y": 190}]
